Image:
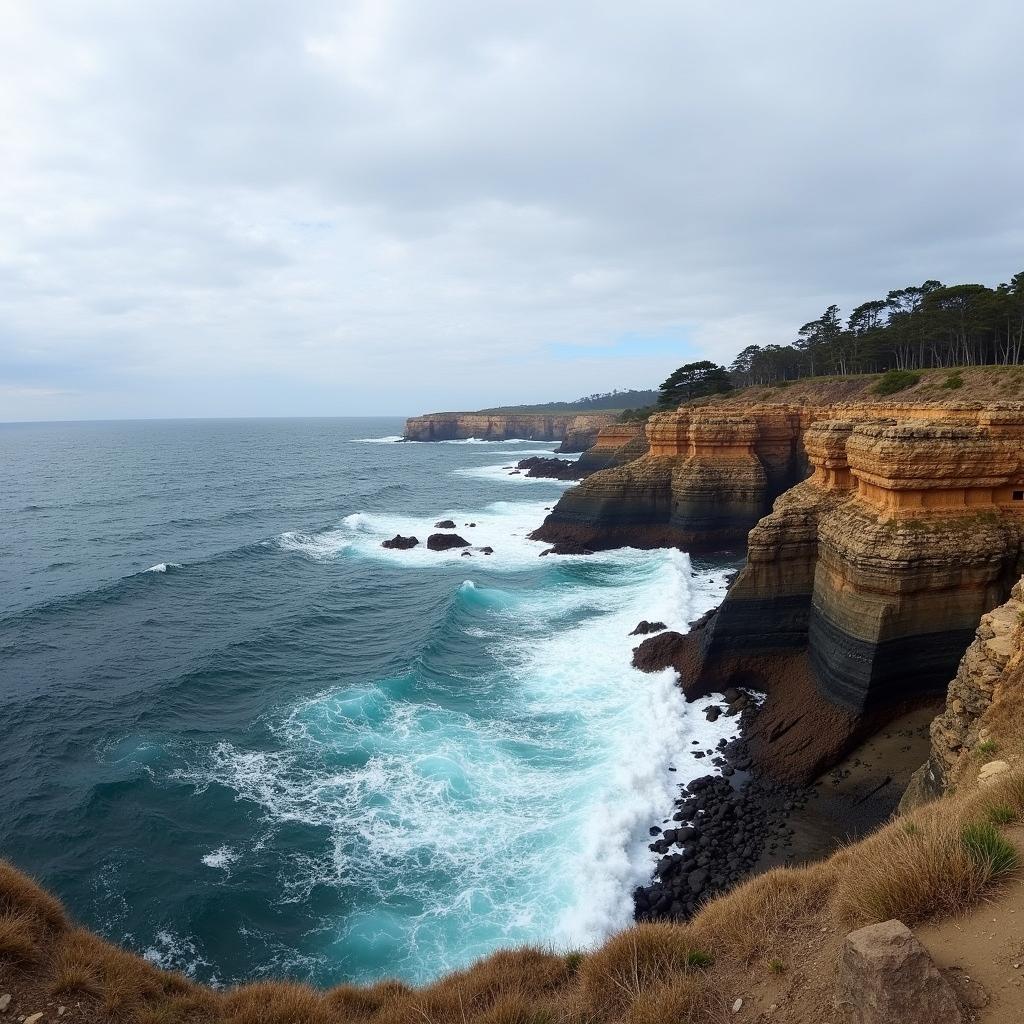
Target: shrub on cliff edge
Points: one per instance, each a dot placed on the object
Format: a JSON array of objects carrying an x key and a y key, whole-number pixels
[{"x": 895, "y": 380}]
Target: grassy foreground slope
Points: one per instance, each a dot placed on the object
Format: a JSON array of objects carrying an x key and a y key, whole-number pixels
[{"x": 776, "y": 937}]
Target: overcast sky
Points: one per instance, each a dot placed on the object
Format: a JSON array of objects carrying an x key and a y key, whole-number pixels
[{"x": 394, "y": 206}]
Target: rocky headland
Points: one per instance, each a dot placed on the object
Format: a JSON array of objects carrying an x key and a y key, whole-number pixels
[
  {"x": 576, "y": 431},
  {"x": 864, "y": 584}
]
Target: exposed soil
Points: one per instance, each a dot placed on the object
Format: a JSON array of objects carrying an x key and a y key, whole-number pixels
[
  {"x": 861, "y": 791},
  {"x": 986, "y": 946}
]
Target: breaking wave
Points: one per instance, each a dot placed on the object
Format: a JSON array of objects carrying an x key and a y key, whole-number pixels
[{"x": 509, "y": 804}]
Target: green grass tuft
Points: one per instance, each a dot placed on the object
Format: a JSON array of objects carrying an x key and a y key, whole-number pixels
[
  {"x": 1001, "y": 814},
  {"x": 573, "y": 959},
  {"x": 699, "y": 958},
  {"x": 989, "y": 848}
]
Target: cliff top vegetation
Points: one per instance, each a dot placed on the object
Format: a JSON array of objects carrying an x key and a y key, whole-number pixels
[{"x": 609, "y": 401}]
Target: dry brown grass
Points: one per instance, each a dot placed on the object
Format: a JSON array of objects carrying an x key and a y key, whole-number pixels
[
  {"x": 497, "y": 988},
  {"x": 913, "y": 868},
  {"x": 19, "y": 894},
  {"x": 75, "y": 967},
  {"x": 275, "y": 1002},
  {"x": 636, "y": 961},
  {"x": 19, "y": 937},
  {"x": 746, "y": 923},
  {"x": 684, "y": 999},
  {"x": 359, "y": 1003},
  {"x": 910, "y": 873}
]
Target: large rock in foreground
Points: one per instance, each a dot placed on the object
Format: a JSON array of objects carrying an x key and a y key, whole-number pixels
[{"x": 886, "y": 975}]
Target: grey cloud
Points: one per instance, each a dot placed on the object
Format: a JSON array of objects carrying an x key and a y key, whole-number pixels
[{"x": 395, "y": 205}]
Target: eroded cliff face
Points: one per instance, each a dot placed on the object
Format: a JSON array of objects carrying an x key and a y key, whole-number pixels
[
  {"x": 615, "y": 445},
  {"x": 982, "y": 720},
  {"x": 708, "y": 476},
  {"x": 864, "y": 585},
  {"x": 577, "y": 432}
]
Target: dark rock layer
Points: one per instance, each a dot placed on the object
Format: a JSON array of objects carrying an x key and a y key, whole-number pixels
[{"x": 551, "y": 469}]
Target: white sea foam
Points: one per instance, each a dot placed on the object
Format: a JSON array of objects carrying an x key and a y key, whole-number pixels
[
  {"x": 501, "y": 525},
  {"x": 223, "y": 857},
  {"x": 172, "y": 952},
  {"x": 503, "y": 473},
  {"x": 163, "y": 567},
  {"x": 621, "y": 792},
  {"x": 486, "y": 440},
  {"x": 392, "y": 439},
  {"x": 546, "y": 452}
]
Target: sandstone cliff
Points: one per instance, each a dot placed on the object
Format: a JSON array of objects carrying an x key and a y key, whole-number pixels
[
  {"x": 865, "y": 583},
  {"x": 984, "y": 714},
  {"x": 615, "y": 445},
  {"x": 576, "y": 431}
]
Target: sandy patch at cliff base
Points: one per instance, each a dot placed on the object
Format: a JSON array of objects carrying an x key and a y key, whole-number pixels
[{"x": 860, "y": 792}]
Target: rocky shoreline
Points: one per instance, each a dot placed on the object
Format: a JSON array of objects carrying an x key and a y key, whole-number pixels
[
  {"x": 721, "y": 825},
  {"x": 552, "y": 469},
  {"x": 739, "y": 822}
]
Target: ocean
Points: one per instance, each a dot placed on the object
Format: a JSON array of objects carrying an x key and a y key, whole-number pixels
[{"x": 244, "y": 740}]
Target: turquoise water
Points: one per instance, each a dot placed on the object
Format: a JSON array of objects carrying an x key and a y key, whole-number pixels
[{"x": 243, "y": 739}]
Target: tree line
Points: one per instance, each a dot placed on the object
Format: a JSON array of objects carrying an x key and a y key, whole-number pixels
[{"x": 912, "y": 328}]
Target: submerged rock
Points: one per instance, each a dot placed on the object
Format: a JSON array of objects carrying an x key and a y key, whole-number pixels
[
  {"x": 568, "y": 548},
  {"x": 552, "y": 469},
  {"x": 444, "y": 524},
  {"x": 400, "y": 542},
  {"x": 446, "y": 541},
  {"x": 644, "y": 627}
]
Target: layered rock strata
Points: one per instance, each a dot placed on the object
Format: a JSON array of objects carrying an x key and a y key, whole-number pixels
[
  {"x": 712, "y": 470},
  {"x": 615, "y": 445},
  {"x": 576, "y": 431},
  {"x": 583, "y": 431},
  {"x": 929, "y": 541},
  {"x": 708, "y": 475},
  {"x": 863, "y": 586}
]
